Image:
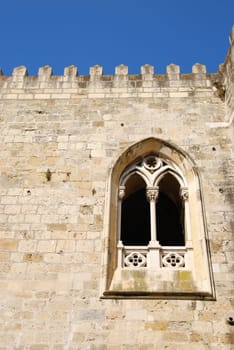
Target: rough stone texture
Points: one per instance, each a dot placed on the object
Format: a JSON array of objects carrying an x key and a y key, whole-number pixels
[{"x": 59, "y": 138}]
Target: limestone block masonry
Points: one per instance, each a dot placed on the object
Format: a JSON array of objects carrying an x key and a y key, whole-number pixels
[{"x": 61, "y": 137}]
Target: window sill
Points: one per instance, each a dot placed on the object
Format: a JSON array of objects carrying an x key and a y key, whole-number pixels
[
  {"x": 157, "y": 295},
  {"x": 160, "y": 284}
]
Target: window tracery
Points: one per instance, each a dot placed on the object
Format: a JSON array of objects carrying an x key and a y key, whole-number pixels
[
  {"x": 156, "y": 234},
  {"x": 163, "y": 227}
]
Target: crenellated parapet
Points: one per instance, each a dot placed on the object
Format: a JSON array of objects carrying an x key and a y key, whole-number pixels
[
  {"x": 97, "y": 84},
  {"x": 147, "y": 72},
  {"x": 148, "y": 83}
]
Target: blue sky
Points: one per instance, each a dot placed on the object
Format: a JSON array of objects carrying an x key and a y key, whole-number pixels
[{"x": 110, "y": 32}]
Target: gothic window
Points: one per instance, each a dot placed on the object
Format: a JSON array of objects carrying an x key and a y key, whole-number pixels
[
  {"x": 170, "y": 213},
  {"x": 135, "y": 213},
  {"x": 152, "y": 212},
  {"x": 156, "y": 234}
]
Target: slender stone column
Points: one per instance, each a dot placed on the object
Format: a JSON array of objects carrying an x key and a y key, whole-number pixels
[
  {"x": 153, "y": 258},
  {"x": 185, "y": 196},
  {"x": 188, "y": 237},
  {"x": 152, "y": 194},
  {"x": 120, "y": 248},
  {"x": 120, "y": 198},
  {"x": 120, "y": 243}
]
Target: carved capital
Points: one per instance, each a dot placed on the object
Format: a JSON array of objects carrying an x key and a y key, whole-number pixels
[
  {"x": 152, "y": 193},
  {"x": 184, "y": 193},
  {"x": 121, "y": 192}
]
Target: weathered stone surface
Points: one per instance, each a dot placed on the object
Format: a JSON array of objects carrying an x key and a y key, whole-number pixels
[{"x": 52, "y": 228}]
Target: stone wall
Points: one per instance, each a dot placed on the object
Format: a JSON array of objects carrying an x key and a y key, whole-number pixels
[{"x": 59, "y": 138}]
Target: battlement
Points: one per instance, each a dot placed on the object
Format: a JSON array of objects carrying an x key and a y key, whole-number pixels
[
  {"x": 147, "y": 83},
  {"x": 147, "y": 73},
  {"x": 21, "y": 85}
]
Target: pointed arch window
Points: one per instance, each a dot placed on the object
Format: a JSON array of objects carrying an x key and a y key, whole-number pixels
[
  {"x": 170, "y": 212},
  {"x": 135, "y": 213},
  {"x": 157, "y": 240},
  {"x": 151, "y": 214}
]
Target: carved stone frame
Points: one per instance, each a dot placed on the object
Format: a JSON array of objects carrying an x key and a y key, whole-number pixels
[{"x": 193, "y": 283}]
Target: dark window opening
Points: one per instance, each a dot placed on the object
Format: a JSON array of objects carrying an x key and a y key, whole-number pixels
[
  {"x": 135, "y": 220},
  {"x": 170, "y": 213}
]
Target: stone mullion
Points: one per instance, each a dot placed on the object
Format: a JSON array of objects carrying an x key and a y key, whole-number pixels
[
  {"x": 153, "y": 221},
  {"x": 152, "y": 195},
  {"x": 153, "y": 259}
]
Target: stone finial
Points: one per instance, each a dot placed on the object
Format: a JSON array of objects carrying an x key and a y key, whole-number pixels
[
  {"x": 121, "y": 70},
  {"x": 173, "y": 69},
  {"x": 231, "y": 36},
  {"x": 45, "y": 72},
  {"x": 232, "y": 53},
  {"x": 198, "y": 68},
  {"x": 221, "y": 68},
  {"x": 70, "y": 71},
  {"x": 147, "y": 69},
  {"x": 96, "y": 70},
  {"x": 231, "y": 41},
  {"x": 20, "y": 71}
]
